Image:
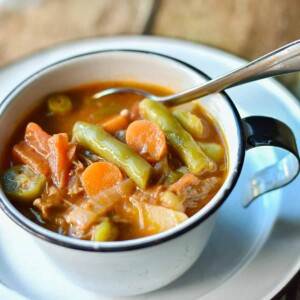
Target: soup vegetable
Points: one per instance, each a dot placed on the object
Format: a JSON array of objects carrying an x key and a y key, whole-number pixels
[{"x": 117, "y": 168}]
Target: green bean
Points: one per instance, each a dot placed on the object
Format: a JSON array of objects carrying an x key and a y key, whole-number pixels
[
  {"x": 97, "y": 140},
  {"x": 213, "y": 151},
  {"x": 179, "y": 139},
  {"x": 190, "y": 122}
]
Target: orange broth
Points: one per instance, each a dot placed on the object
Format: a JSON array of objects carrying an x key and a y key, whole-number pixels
[{"x": 129, "y": 216}]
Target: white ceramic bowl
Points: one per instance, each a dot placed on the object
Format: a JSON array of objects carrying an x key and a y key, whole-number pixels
[{"x": 134, "y": 266}]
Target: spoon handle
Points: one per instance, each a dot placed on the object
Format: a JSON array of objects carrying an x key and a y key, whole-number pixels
[{"x": 281, "y": 61}]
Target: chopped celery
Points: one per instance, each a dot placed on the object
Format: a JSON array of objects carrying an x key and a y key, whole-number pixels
[
  {"x": 105, "y": 231},
  {"x": 59, "y": 104}
]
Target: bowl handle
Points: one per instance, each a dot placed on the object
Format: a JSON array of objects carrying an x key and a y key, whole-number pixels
[{"x": 265, "y": 131}]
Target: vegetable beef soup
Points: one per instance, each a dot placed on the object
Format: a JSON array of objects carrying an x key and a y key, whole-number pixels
[{"x": 116, "y": 168}]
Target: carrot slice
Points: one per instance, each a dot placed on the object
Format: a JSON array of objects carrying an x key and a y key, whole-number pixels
[
  {"x": 22, "y": 153},
  {"x": 115, "y": 123},
  {"x": 60, "y": 158},
  {"x": 100, "y": 176},
  {"x": 147, "y": 139},
  {"x": 37, "y": 138}
]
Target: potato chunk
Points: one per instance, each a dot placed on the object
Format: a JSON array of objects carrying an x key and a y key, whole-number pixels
[
  {"x": 161, "y": 218},
  {"x": 150, "y": 219}
]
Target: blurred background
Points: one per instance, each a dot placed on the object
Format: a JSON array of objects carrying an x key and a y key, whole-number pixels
[{"x": 247, "y": 28}]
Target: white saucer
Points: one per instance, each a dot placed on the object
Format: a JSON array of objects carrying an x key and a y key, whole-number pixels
[{"x": 253, "y": 252}]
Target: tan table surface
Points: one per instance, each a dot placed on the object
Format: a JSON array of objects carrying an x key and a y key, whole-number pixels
[{"x": 247, "y": 28}]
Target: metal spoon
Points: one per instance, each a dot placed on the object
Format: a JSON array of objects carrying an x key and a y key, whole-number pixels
[{"x": 278, "y": 62}]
